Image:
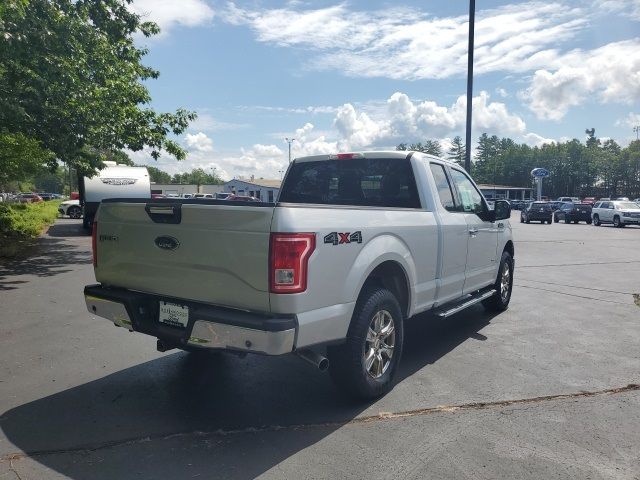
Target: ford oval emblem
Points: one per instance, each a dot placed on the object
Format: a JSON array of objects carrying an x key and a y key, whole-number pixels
[{"x": 166, "y": 242}]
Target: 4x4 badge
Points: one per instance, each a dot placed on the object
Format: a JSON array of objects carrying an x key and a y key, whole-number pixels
[{"x": 339, "y": 238}]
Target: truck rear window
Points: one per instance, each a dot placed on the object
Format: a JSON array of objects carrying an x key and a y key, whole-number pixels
[{"x": 379, "y": 182}]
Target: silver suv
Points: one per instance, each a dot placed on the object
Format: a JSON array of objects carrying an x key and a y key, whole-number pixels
[{"x": 620, "y": 213}]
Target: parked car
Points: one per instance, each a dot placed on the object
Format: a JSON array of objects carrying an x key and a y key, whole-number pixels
[
  {"x": 28, "y": 198},
  {"x": 516, "y": 204},
  {"x": 537, "y": 212},
  {"x": 569, "y": 199},
  {"x": 204, "y": 195},
  {"x": 241, "y": 198},
  {"x": 222, "y": 195},
  {"x": 623, "y": 199},
  {"x": 556, "y": 204},
  {"x": 590, "y": 200},
  {"x": 71, "y": 208},
  {"x": 619, "y": 213},
  {"x": 573, "y": 212},
  {"x": 335, "y": 266},
  {"x": 47, "y": 196}
]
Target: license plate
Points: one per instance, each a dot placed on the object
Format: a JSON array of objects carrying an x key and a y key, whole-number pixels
[
  {"x": 583, "y": 211},
  {"x": 173, "y": 314},
  {"x": 542, "y": 209}
]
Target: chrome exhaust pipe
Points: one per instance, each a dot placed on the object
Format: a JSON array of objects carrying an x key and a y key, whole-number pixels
[{"x": 319, "y": 361}]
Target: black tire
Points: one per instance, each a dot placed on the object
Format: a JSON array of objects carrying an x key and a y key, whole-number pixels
[
  {"x": 556, "y": 219},
  {"x": 596, "y": 220},
  {"x": 576, "y": 222},
  {"x": 566, "y": 220},
  {"x": 521, "y": 219},
  {"x": 499, "y": 302},
  {"x": 589, "y": 222},
  {"x": 74, "y": 212},
  {"x": 347, "y": 361},
  {"x": 87, "y": 223},
  {"x": 527, "y": 220},
  {"x": 616, "y": 222}
]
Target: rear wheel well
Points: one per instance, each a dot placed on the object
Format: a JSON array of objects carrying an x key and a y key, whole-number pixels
[
  {"x": 391, "y": 275},
  {"x": 509, "y": 248}
]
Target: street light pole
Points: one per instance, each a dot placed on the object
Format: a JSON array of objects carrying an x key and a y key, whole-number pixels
[
  {"x": 289, "y": 141},
  {"x": 637, "y": 130},
  {"x": 472, "y": 20}
]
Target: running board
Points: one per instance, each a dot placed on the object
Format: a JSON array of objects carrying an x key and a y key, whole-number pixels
[{"x": 466, "y": 304}]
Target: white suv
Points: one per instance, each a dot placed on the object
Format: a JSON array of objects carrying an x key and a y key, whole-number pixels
[{"x": 620, "y": 213}]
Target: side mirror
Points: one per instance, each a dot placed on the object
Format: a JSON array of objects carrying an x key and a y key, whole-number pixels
[{"x": 502, "y": 210}]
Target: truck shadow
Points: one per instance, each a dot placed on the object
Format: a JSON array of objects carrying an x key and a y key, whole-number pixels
[
  {"x": 227, "y": 417},
  {"x": 48, "y": 256}
]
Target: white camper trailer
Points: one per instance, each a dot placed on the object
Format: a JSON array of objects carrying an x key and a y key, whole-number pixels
[{"x": 113, "y": 181}]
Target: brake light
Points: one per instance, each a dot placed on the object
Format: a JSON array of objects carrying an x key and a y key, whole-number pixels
[
  {"x": 94, "y": 243},
  {"x": 345, "y": 156},
  {"x": 288, "y": 261}
]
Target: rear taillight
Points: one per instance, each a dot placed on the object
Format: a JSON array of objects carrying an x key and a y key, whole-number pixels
[
  {"x": 288, "y": 261},
  {"x": 94, "y": 242}
]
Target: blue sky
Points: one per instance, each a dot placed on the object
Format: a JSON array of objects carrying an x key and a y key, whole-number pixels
[{"x": 361, "y": 75}]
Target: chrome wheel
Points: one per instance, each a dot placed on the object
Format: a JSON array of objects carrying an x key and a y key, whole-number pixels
[
  {"x": 379, "y": 344},
  {"x": 505, "y": 282}
]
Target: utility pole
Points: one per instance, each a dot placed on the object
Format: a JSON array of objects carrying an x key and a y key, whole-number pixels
[
  {"x": 637, "y": 130},
  {"x": 472, "y": 20},
  {"x": 289, "y": 141}
]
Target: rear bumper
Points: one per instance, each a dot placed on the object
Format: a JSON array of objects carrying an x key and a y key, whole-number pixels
[{"x": 208, "y": 326}]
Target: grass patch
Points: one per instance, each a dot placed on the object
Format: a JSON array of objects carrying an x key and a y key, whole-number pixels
[{"x": 21, "y": 223}]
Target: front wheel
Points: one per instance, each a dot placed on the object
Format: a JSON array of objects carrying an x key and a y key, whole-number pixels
[
  {"x": 74, "y": 212},
  {"x": 365, "y": 365},
  {"x": 596, "y": 220},
  {"x": 499, "y": 302},
  {"x": 616, "y": 222}
]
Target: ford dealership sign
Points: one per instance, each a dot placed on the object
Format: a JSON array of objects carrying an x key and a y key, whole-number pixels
[{"x": 540, "y": 172}]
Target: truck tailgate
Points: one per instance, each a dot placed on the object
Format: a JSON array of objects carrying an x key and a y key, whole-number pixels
[{"x": 220, "y": 257}]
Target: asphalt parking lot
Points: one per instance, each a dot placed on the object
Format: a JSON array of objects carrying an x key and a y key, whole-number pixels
[{"x": 544, "y": 390}]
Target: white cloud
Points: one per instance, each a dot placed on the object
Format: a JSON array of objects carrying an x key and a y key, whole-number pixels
[
  {"x": 631, "y": 120},
  {"x": 354, "y": 127},
  {"x": 627, "y": 8},
  {"x": 408, "y": 44},
  {"x": 609, "y": 74},
  {"x": 198, "y": 142},
  {"x": 169, "y": 13},
  {"x": 207, "y": 123},
  {"x": 502, "y": 92},
  {"x": 319, "y": 109}
]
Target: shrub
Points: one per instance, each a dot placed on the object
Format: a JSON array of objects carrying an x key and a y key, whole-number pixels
[{"x": 22, "y": 222}]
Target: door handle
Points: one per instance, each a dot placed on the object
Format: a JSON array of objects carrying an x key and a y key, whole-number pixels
[{"x": 473, "y": 232}]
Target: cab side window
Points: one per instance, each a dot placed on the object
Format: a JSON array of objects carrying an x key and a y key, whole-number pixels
[
  {"x": 469, "y": 195},
  {"x": 444, "y": 188}
]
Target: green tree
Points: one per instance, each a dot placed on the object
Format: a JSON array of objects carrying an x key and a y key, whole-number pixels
[
  {"x": 458, "y": 151},
  {"x": 20, "y": 158},
  {"x": 432, "y": 147},
  {"x": 156, "y": 175},
  {"x": 71, "y": 79}
]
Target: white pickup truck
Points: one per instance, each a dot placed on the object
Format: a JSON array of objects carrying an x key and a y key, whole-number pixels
[{"x": 355, "y": 244}]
